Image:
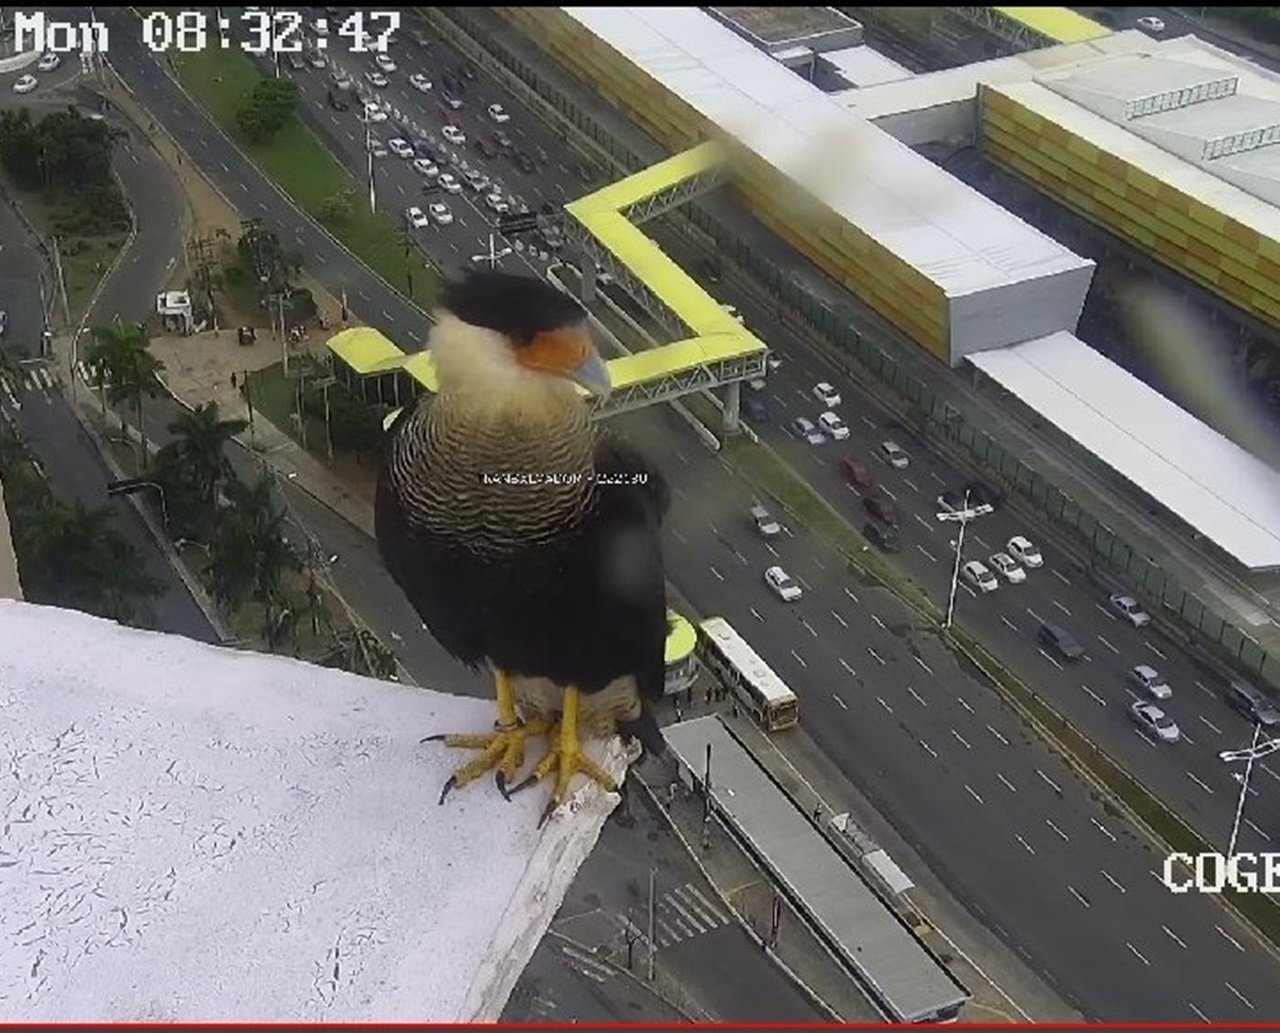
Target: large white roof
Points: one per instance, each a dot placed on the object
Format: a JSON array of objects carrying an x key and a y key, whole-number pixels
[
  {"x": 952, "y": 234},
  {"x": 195, "y": 833},
  {"x": 1210, "y": 482}
]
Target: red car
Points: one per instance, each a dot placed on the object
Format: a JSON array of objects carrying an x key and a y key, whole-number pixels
[
  {"x": 856, "y": 473},
  {"x": 881, "y": 508}
]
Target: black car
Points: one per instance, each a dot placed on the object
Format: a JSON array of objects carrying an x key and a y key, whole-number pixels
[
  {"x": 336, "y": 101},
  {"x": 525, "y": 162},
  {"x": 882, "y": 536},
  {"x": 433, "y": 187},
  {"x": 1058, "y": 640},
  {"x": 1252, "y": 703},
  {"x": 983, "y": 494}
]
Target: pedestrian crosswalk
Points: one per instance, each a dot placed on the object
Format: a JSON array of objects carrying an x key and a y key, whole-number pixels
[
  {"x": 583, "y": 962},
  {"x": 30, "y": 378},
  {"x": 679, "y": 914},
  {"x": 92, "y": 377}
]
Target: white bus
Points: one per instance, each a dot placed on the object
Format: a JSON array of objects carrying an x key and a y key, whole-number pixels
[{"x": 766, "y": 696}]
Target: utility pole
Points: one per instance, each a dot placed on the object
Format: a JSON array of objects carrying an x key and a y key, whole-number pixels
[
  {"x": 653, "y": 878},
  {"x": 328, "y": 426},
  {"x": 961, "y": 516}
]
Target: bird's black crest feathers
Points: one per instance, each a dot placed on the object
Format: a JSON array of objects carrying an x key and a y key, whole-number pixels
[{"x": 518, "y": 307}]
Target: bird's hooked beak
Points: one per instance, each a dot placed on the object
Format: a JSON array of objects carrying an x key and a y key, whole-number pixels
[{"x": 592, "y": 373}]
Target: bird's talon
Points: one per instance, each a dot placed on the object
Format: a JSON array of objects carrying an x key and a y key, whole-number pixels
[
  {"x": 522, "y": 785},
  {"x": 432, "y": 738},
  {"x": 500, "y": 779},
  {"x": 449, "y": 784},
  {"x": 547, "y": 812}
]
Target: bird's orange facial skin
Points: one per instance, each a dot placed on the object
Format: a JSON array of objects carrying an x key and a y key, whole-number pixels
[{"x": 557, "y": 352}]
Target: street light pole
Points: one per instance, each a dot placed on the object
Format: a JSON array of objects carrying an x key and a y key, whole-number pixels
[
  {"x": 962, "y": 517},
  {"x": 368, "y": 147},
  {"x": 494, "y": 256},
  {"x": 1254, "y": 752},
  {"x": 653, "y": 876}
]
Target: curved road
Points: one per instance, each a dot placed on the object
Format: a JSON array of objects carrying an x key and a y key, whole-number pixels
[{"x": 1016, "y": 837}]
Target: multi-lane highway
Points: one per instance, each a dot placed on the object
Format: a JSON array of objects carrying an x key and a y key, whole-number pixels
[{"x": 1014, "y": 835}]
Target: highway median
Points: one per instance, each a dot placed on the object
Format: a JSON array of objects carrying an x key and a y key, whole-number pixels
[
  {"x": 1116, "y": 789},
  {"x": 300, "y": 165}
]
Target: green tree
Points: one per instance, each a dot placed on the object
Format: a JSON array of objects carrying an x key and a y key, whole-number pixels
[
  {"x": 119, "y": 353},
  {"x": 63, "y": 151},
  {"x": 272, "y": 265},
  {"x": 355, "y": 426},
  {"x": 337, "y": 207},
  {"x": 268, "y": 108},
  {"x": 200, "y": 445}
]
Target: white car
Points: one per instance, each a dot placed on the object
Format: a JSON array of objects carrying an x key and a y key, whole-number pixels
[
  {"x": 453, "y": 103},
  {"x": 420, "y": 82},
  {"x": 806, "y": 429},
  {"x": 757, "y": 385},
  {"x": 401, "y": 148},
  {"x": 1150, "y": 718},
  {"x": 499, "y": 114},
  {"x": 440, "y": 212},
  {"x": 1005, "y": 565},
  {"x": 454, "y": 135},
  {"x": 417, "y": 217},
  {"x": 1151, "y": 23},
  {"x": 373, "y": 113},
  {"x": 426, "y": 167},
  {"x": 976, "y": 573},
  {"x": 1129, "y": 608},
  {"x": 734, "y": 314},
  {"x": 826, "y": 394},
  {"x": 765, "y": 523},
  {"x": 316, "y": 59},
  {"x": 26, "y": 84},
  {"x": 377, "y": 148},
  {"x": 894, "y": 455},
  {"x": 1024, "y": 552},
  {"x": 834, "y": 426},
  {"x": 497, "y": 203},
  {"x": 449, "y": 183},
  {"x": 384, "y": 63},
  {"x": 1150, "y": 681},
  {"x": 48, "y": 62},
  {"x": 783, "y": 587},
  {"x": 377, "y": 80}
]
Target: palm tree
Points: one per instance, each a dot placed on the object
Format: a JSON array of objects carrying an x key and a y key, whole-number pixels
[
  {"x": 200, "y": 443},
  {"x": 119, "y": 352}
]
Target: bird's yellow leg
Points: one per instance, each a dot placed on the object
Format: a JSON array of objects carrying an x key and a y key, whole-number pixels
[
  {"x": 565, "y": 756},
  {"x": 502, "y": 748}
]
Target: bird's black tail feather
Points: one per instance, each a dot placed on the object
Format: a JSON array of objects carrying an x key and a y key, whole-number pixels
[{"x": 644, "y": 729}]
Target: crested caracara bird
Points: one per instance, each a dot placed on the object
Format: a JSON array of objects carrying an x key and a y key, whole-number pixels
[{"x": 526, "y": 538}]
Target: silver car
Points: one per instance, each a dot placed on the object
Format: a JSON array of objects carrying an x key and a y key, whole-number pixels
[
  {"x": 1154, "y": 721},
  {"x": 1150, "y": 681}
]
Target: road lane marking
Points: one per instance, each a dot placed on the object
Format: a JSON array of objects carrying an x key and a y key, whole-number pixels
[
  {"x": 961, "y": 739},
  {"x": 1008, "y": 623},
  {"x": 1242, "y": 997},
  {"x": 741, "y": 558},
  {"x": 799, "y": 659},
  {"x": 923, "y": 522},
  {"x": 1270, "y": 771},
  {"x": 929, "y": 749},
  {"x": 972, "y": 792},
  {"x": 961, "y": 701},
  {"x": 719, "y": 576},
  {"x": 840, "y": 701},
  {"x": 772, "y": 550},
  {"x": 1105, "y": 612},
  {"x": 927, "y": 668},
  {"x": 1103, "y": 829},
  {"x": 1255, "y": 828},
  {"x": 868, "y": 421},
  {"x": 1076, "y": 893},
  {"x": 1060, "y": 577},
  {"x": 837, "y": 616},
  {"x": 1214, "y": 727},
  {"x": 1052, "y": 784},
  {"x": 908, "y": 482},
  {"x": 916, "y": 696},
  {"x": 889, "y": 493},
  {"x": 844, "y": 663},
  {"x": 1198, "y": 782},
  {"x": 1024, "y": 843},
  {"x": 876, "y": 655},
  {"x": 879, "y": 621},
  {"x": 755, "y": 613},
  {"x": 978, "y": 538},
  {"x": 1203, "y": 1016},
  {"x": 1049, "y": 658},
  {"x": 972, "y": 593},
  {"x": 1229, "y": 938},
  {"x": 881, "y": 701},
  {"x": 937, "y": 478},
  {"x": 1137, "y": 953},
  {"x": 818, "y": 563},
  {"x": 1108, "y": 645},
  {"x": 1035, "y": 616},
  {"x": 679, "y": 537},
  {"x": 850, "y": 595},
  {"x": 1174, "y": 937},
  {"x": 1061, "y": 607},
  {"x": 1155, "y": 650},
  {"x": 1107, "y": 875},
  {"x": 388, "y": 316},
  {"x": 1007, "y": 783},
  {"x": 997, "y": 735},
  {"x": 1101, "y": 702},
  {"x": 931, "y": 556},
  {"x": 1057, "y": 830},
  {"x": 809, "y": 626}
]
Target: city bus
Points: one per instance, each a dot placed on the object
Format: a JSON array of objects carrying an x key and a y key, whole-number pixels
[
  {"x": 681, "y": 661},
  {"x": 766, "y": 697}
]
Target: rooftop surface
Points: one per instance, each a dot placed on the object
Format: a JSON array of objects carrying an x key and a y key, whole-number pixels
[
  {"x": 951, "y": 233},
  {"x": 195, "y": 833},
  {"x": 1210, "y": 482},
  {"x": 873, "y": 940},
  {"x": 777, "y": 25}
]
